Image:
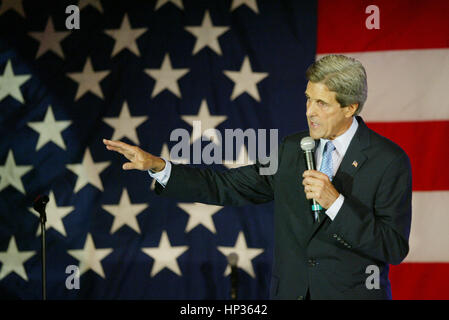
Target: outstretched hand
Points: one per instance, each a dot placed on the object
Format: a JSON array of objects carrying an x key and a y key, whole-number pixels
[{"x": 138, "y": 158}]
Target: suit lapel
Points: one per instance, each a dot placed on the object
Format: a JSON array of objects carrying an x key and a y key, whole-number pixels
[{"x": 353, "y": 160}]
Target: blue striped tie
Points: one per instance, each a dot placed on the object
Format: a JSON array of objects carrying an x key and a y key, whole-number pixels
[{"x": 326, "y": 163}]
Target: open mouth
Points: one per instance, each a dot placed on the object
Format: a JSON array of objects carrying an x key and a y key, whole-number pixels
[{"x": 314, "y": 124}]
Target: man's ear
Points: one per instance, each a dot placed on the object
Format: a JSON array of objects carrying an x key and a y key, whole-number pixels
[{"x": 352, "y": 108}]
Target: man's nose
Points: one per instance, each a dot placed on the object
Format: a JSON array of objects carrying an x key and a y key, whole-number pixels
[{"x": 311, "y": 109}]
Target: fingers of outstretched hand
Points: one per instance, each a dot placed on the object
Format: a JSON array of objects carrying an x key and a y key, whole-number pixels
[
  {"x": 132, "y": 153},
  {"x": 120, "y": 147},
  {"x": 128, "y": 155},
  {"x": 118, "y": 144},
  {"x": 129, "y": 166}
]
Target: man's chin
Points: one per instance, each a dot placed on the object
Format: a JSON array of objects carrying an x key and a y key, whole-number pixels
[{"x": 313, "y": 135}]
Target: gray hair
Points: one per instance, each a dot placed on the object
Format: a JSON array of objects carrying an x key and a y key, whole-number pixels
[{"x": 344, "y": 75}]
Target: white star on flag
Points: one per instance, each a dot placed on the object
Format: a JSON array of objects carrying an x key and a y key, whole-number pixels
[
  {"x": 11, "y": 174},
  {"x": 244, "y": 253},
  {"x": 160, "y": 3},
  {"x": 12, "y": 260},
  {"x": 12, "y": 4},
  {"x": 10, "y": 83},
  {"x": 125, "y": 125},
  {"x": 242, "y": 159},
  {"x": 88, "y": 172},
  {"x": 88, "y": 80},
  {"x": 49, "y": 130},
  {"x": 125, "y": 213},
  {"x": 125, "y": 37},
  {"x": 55, "y": 215},
  {"x": 252, "y": 4},
  {"x": 206, "y": 120},
  {"x": 165, "y": 256},
  {"x": 207, "y": 35},
  {"x": 49, "y": 39},
  {"x": 90, "y": 257},
  {"x": 245, "y": 80},
  {"x": 166, "y": 77},
  {"x": 94, "y": 3},
  {"x": 200, "y": 213}
]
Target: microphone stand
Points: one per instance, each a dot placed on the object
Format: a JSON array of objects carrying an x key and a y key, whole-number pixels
[
  {"x": 39, "y": 205},
  {"x": 234, "y": 282},
  {"x": 233, "y": 258},
  {"x": 43, "y": 219}
]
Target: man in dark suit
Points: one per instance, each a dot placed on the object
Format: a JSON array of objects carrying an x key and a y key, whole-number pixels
[{"x": 363, "y": 186}]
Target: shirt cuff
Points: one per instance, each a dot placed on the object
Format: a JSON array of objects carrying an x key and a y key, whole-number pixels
[
  {"x": 333, "y": 210},
  {"x": 162, "y": 176}
]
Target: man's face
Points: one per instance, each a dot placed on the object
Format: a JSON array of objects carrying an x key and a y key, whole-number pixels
[{"x": 326, "y": 118}]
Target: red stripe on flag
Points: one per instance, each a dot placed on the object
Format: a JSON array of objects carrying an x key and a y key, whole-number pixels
[
  {"x": 426, "y": 145},
  {"x": 404, "y": 24},
  {"x": 420, "y": 281}
]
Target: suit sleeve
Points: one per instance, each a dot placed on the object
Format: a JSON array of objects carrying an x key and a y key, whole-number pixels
[
  {"x": 380, "y": 232},
  {"x": 239, "y": 186}
]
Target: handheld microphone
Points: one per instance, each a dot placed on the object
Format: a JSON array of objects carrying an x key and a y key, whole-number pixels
[
  {"x": 308, "y": 146},
  {"x": 233, "y": 258}
]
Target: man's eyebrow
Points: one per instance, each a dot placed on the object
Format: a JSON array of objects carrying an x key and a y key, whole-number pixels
[{"x": 316, "y": 99}]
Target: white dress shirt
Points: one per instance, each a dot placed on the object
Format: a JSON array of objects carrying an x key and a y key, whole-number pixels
[{"x": 341, "y": 144}]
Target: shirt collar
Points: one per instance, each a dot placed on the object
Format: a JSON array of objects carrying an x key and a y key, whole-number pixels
[{"x": 342, "y": 142}]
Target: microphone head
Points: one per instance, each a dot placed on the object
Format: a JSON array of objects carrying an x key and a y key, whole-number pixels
[
  {"x": 233, "y": 258},
  {"x": 40, "y": 202},
  {"x": 307, "y": 144}
]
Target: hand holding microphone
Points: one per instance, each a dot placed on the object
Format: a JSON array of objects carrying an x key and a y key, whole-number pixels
[{"x": 317, "y": 185}]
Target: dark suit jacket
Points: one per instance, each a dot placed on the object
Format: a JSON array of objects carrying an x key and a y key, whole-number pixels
[{"x": 329, "y": 258}]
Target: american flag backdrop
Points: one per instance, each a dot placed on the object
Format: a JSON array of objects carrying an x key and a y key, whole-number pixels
[{"x": 137, "y": 70}]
